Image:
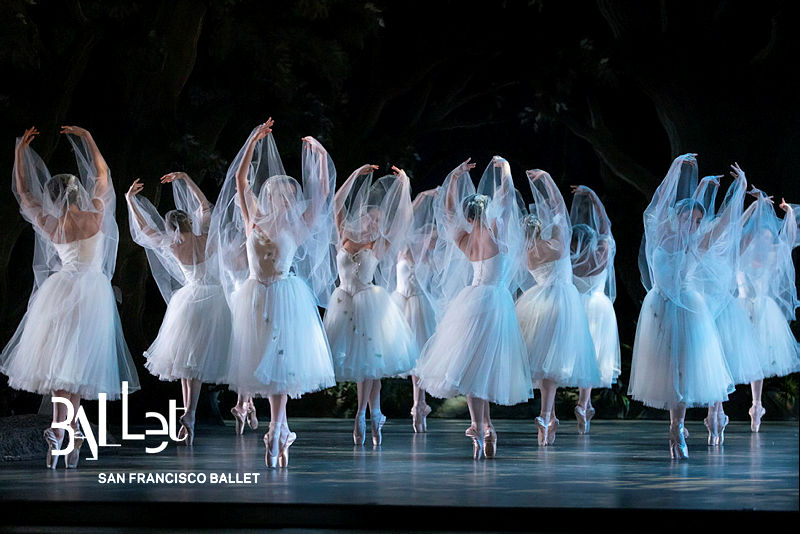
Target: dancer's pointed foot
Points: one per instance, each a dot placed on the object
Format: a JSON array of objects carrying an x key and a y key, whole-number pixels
[
  {"x": 53, "y": 443},
  {"x": 360, "y": 429},
  {"x": 677, "y": 442},
  {"x": 490, "y": 443},
  {"x": 252, "y": 419},
  {"x": 477, "y": 442},
  {"x": 187, "y": 430},
  {"x": 272, "y": 441},
  {"x": 543, "y": 428},
  {"x": 580, "y": 417},
  {"x": 73, "y": 457},
  {"x": 722, "y": 422},
  {"x": 712, "y": 424},
  {"x": 419, "y": 415},
  {"x": 378, "y": 420},
  {"x": 239, "y": 417},
  {"x": 756, "y": 412},
  {"x": 287, "y": 438}
]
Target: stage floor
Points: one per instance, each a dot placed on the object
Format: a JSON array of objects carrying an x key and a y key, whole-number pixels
[{"x": 619, "y": 465}]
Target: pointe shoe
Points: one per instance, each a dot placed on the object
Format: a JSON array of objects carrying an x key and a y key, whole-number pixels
[
  {"x": 377, "y": 425},
  {"x": 590, "y": 411},
  {"x": 477, "y": 442},
  {"x": 713, "y": 430},
  {"x": 756, "y": 412},
  {"x": 419, "y": 416},
  {"x": 360, "y": 430},
  {"x": 239, "y": 417},
  {"x": 74, "y": 456},
  {"x": 551, "y": 431},
  {"x": 490, "y": 443},
  {"x": 252, "y": 419},
  {"x": 272, "y": 441},
  {"x": 187, "y": 432},
  {"x": 722, "y": 422},
  {"x": 287, "y": 438},
  {"x": 53, "y": 443},
  {"x": 544, "y": 429},
  {"x": 677, "y": 443},
  {"x": 583, "y": 422}
]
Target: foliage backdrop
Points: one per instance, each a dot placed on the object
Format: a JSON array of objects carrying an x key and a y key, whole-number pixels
[{"x": 603, "y": 93}]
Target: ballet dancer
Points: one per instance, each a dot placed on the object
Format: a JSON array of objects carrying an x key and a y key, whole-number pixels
[{"x": 70, "y": 342}]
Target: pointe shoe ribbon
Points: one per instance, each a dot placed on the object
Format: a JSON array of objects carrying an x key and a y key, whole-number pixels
[{"x": 359, "y": 430}]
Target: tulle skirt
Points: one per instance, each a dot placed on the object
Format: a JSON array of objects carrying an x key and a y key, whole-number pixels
[
  {"x": 71, "y": 339},
  {"x": 278, "y": 344},
  {"x": 193, "y": 341},
  {"x": 557, "y": 337},
  {"x": 477, "y": 349},
  {"x": 369, "y": 336},
  {"x": 777, "y": 350},
  {"x": 419, "y": 314},
  {"x": 605, "y": 336},
  {"x": 739, "y": 343},
  {"x": 677, "y": 354}
]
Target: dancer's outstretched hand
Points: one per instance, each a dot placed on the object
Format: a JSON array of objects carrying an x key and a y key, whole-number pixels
[
  {"x": 737, "y": 171},
  {"x": 263, "y": 129},
  {"x": 783, "y": 205},
  {"x": 368, "y": 169},
  {"x": 135, "y": 188},
  {"x": 75, "y": 130},
  {"x": 28, "y": 136},
  {"x": 171, "y": 177}
]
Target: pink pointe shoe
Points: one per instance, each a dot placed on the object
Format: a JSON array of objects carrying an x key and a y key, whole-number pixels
[
  {"x": 360, "y": 429},
  {"x": 419, "y": 415},
  {"x": 712, "y": 424},
  {"x": 582, "y": 420},
  {"x": 722, "y": 422},
  {"x": 590, "y": 411},
  {"x": 73, "y": 457},
  {"x": 53, "y": 443},
  {"x": 272, "y": 441},
  {"x": 252, "y": 419},
  {"x": 756, "y": 413},
  {"x": 377, "y": 420},
  {"x": 239, "y": 417},
  {"x": 287, "y": 438},
  {"x": 677, "y": 442},
  {"x": 477, "y": 442},
  {"x": 490, "y": 443},
  {"x": 186, "y": 432}
]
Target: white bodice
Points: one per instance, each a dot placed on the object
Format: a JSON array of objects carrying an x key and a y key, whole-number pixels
[
  {"x": 491, "y": 271},
  {"x": 547, "y": 273},
  {"x": 356, "y": 271},
  {"x": 407, "y": 283},
  {"x": 269, "y": 258},
  {"x": 595, "y": 283},
  {"x": 83, "y": 254},
  {"x": 194, "y": 274}
]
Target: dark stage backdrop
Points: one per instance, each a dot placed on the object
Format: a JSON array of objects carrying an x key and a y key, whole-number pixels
[{"x": 600, "y": 93}]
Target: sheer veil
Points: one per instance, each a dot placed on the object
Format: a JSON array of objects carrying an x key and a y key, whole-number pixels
[{"x": 593, "y": 246}]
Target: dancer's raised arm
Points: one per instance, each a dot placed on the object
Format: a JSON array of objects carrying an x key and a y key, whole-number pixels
[
  {"x": 245, "y": 194},
  {"x": 100, "y": 167}
]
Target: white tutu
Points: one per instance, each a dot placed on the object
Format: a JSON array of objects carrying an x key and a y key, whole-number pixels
[
  {"x": 419, "y": 314},
  {"x": 477, "y": 348},
  {"x": 368, "y": 334},
  {"x": 278, "y": 344},
  {"x": 739, "y": 342},
  {"x": 605, "y": 336},
  {"x": 553, "y": 323},
  {"x": 777, "y": 347},
  {"x": 677, "y": 354},
  {"x": 193, "y": 341},
  {"x": 71, "y": 339}
]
